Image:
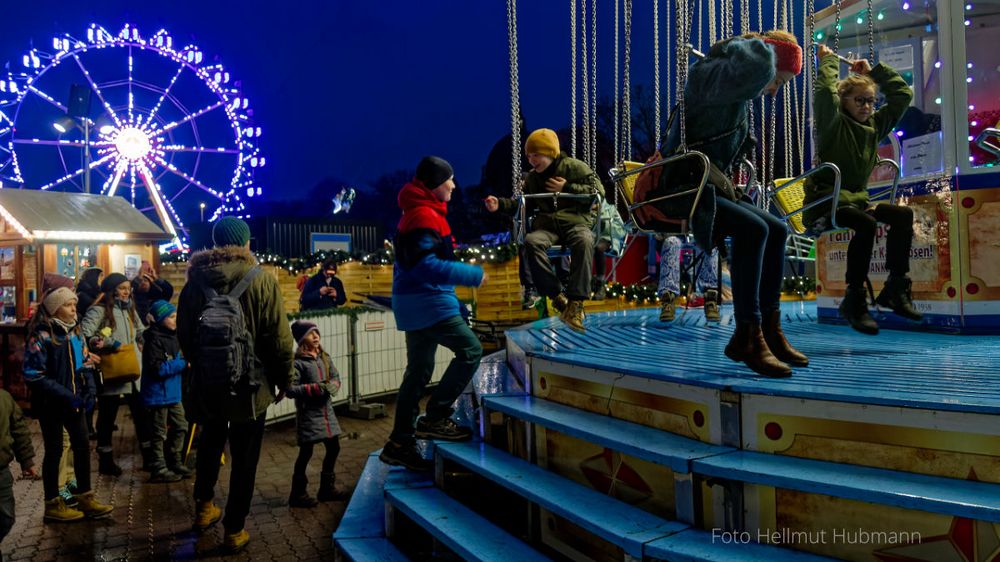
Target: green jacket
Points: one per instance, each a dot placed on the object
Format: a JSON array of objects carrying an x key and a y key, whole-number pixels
[
  {"x": 15, "y": 437},
  {"x": 580, "y": 179},
  {"x": 852, "y": 146},
  {"x": 223, "y": 268}
]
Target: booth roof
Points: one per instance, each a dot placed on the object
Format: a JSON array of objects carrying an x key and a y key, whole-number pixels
[{"x": 81, "y": 215}]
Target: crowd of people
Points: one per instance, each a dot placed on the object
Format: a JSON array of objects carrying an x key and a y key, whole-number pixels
[{"x": 226, "y": 351}]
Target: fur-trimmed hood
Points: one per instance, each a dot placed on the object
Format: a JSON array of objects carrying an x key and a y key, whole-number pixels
[{"x": 220, "y": 267}]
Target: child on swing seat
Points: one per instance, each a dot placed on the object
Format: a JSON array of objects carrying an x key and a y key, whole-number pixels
[{"x": 848, "y": 131}]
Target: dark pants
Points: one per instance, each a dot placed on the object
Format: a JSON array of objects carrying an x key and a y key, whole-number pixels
[
  {"x": 865, "y": 224},
  {"x": 169, "y": 427},
  {"x": 758, "y": 256},
  {"x": 524, "y": 272},
  {"x": 580, "y": 240},
  {"x": 332, "y": 445},
  {"x": 244, "y": 452},
  {"x": 6, "y": 501},
  {"x": 52, "y": 424},
  {"x": 600, "y": 263},
  {"x": 421, "y": 345},
  {"x": 107, "y": 414}
]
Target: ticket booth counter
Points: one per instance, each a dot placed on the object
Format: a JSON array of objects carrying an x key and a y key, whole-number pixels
[{"x": 49, "y": 232}]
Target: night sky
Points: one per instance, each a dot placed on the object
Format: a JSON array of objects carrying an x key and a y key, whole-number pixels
[{"x": 354, "y": 90}]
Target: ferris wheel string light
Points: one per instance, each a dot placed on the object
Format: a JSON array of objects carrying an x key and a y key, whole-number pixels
[{"x": 153, "y": 147}]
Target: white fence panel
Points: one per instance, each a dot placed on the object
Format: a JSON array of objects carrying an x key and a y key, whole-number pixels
[
  {"x": 381, "y": 350},
  {"x": 335, "y": 337}
]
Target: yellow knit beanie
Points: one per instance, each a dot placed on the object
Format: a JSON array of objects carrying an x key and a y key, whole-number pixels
[{"x": 544, "y": 142}]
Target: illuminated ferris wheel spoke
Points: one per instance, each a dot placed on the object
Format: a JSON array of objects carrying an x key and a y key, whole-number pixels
[
  {"x": 72, "y": 175},
  {"x": 173, "y": 170},
  {"x": 191, "y": 117},
  {"x": 166, "y": 92},
  {"x": 154, "y": 196},
  {"x": 202, "y": 149},
  {"x": 131, "y": 98},
  {"x": 47, "y": 98},
  {"x": 115, "y": 179},
  {"x": 97, "y": 91},
  {"x": 78, "y": 144}
]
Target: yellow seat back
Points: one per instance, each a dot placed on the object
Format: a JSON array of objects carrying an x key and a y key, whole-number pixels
[
  {"x": 791, "y": 199},
  {"x": 627, "y": 184}
]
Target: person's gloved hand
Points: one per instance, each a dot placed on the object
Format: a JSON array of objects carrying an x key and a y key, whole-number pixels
[
  {"x": 330, "y": 388},
  {"x": 176, "y": 365}
]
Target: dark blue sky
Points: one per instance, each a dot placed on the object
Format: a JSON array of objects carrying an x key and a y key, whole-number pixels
[{"x": 353, "y": 90}]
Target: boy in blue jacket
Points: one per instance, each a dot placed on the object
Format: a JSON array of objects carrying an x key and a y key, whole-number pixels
[
  {"x": 427, "y": 309},
  {"x": 162, "y": 367}
]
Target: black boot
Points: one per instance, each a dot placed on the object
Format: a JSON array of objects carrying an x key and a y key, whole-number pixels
[
  {"x": 748, "y": 346},
  {"x": 328, "y": 491},
  {"x": 897, "y": 296},
  {"x": 106, "y": 464},
  {"x": 854, "y": 308},
  {"x": 298, "y": 497}
]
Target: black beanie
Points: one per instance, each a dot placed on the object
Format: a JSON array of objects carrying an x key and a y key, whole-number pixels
[
  {"x": 112, "y": 281},
  {"x": 433, "y": 171}
]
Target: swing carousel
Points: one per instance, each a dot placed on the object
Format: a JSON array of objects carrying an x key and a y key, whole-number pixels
[{"x": 639, "y": 440}]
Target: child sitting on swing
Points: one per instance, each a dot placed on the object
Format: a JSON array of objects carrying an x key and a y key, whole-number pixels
[{"x": 848, "y": 131}]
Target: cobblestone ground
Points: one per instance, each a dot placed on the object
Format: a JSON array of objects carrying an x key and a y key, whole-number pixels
[{"x": 153, "y": 521}]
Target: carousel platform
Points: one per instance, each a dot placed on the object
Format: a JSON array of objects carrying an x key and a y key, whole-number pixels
[{"x": 639, "y": 440}]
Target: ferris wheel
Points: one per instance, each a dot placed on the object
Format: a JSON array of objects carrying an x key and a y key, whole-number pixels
[{"x": 164, "y": 128}]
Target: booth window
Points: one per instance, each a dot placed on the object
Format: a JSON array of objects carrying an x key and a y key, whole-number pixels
[{"x": 982, "y": 75}]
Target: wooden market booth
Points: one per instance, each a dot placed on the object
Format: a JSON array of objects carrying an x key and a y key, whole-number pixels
[{"x": 51, "y": 232}]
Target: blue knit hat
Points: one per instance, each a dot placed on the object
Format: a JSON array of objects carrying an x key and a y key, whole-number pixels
[
  {"x": 230, "y": 231},
  {"x": 160, "y": 310}
]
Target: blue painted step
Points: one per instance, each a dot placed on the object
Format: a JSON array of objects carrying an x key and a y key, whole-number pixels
[
  {"x": 458, "y": 527},
  {"x": 633, "y": 439},
  {"x": 370, "y": 550},
  {"x": 365, "y": 514},
  {"x": 696, "y": 546},
  {"x": 948, "y": 496},
  {"x": 614, "y": 521}
]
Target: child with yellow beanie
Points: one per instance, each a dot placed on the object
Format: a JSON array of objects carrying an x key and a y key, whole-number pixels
[{"x": 568, "y": 223}]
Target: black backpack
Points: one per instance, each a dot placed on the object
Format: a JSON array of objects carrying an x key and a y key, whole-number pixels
[{"x": 225, "y": 359}]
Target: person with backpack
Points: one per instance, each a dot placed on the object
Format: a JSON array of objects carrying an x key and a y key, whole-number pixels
[
  {"x": 232, "y": 329},
  {"x": 114, "y": 331}
]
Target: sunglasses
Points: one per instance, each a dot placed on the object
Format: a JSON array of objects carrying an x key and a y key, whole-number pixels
[{"x": 861, "y": 102}]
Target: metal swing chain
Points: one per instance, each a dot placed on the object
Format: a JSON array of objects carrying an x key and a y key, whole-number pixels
[
  {"x": 836, "y": 28},
  {"x": 811, "y": 78},
  {"x": 593, "y": 84},
  {"x": 626, "y": 122},
  {"x": 712, "y": 32},
  {"x": 515, "y": 97},
  {"x": 656, "y": 74},
  {"x": 572, "y": 79},
  {"x": 617, "y": 120},
  {"x": 667, "y": 10},
  {"x": 744, "y": 16},
  {"x": 585, "y": 82},
  {"x": 771, "y": 119},
  {"x": 871, "y": 35},
  {"x": 683, "y": 34}
]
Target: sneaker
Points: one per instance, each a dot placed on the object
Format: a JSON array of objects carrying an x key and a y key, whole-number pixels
[
  {"x": 668, "y": 310},
  {"x": 405, "y": 455},
  {"x": 712, "y": 306},
  {"x": 235, "y": 542},
  {"x": 530, "y": 300},
  {"x": 57, "y": 511},
  {"x": 206, "y": 515},
  {"x": 163, "y": 476},
  {"x": 67, "y": 496},
  {"x": 444, "y": 429}
]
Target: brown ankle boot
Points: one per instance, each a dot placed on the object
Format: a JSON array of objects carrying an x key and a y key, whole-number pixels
[
  {"x": 778, "y": 344},
  {"x": 748, "y": 346}
]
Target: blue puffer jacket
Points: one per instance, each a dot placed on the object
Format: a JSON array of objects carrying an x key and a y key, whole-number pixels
[
  {"x": 426, "y": 271},
  {"x": 162, "y": 367}
]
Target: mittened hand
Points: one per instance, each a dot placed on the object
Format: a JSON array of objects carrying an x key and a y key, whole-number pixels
[
  {"x": 330, "y": 388},
  {"x": 177, "y": 365},
  {"x": 106, "y": 332}
]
